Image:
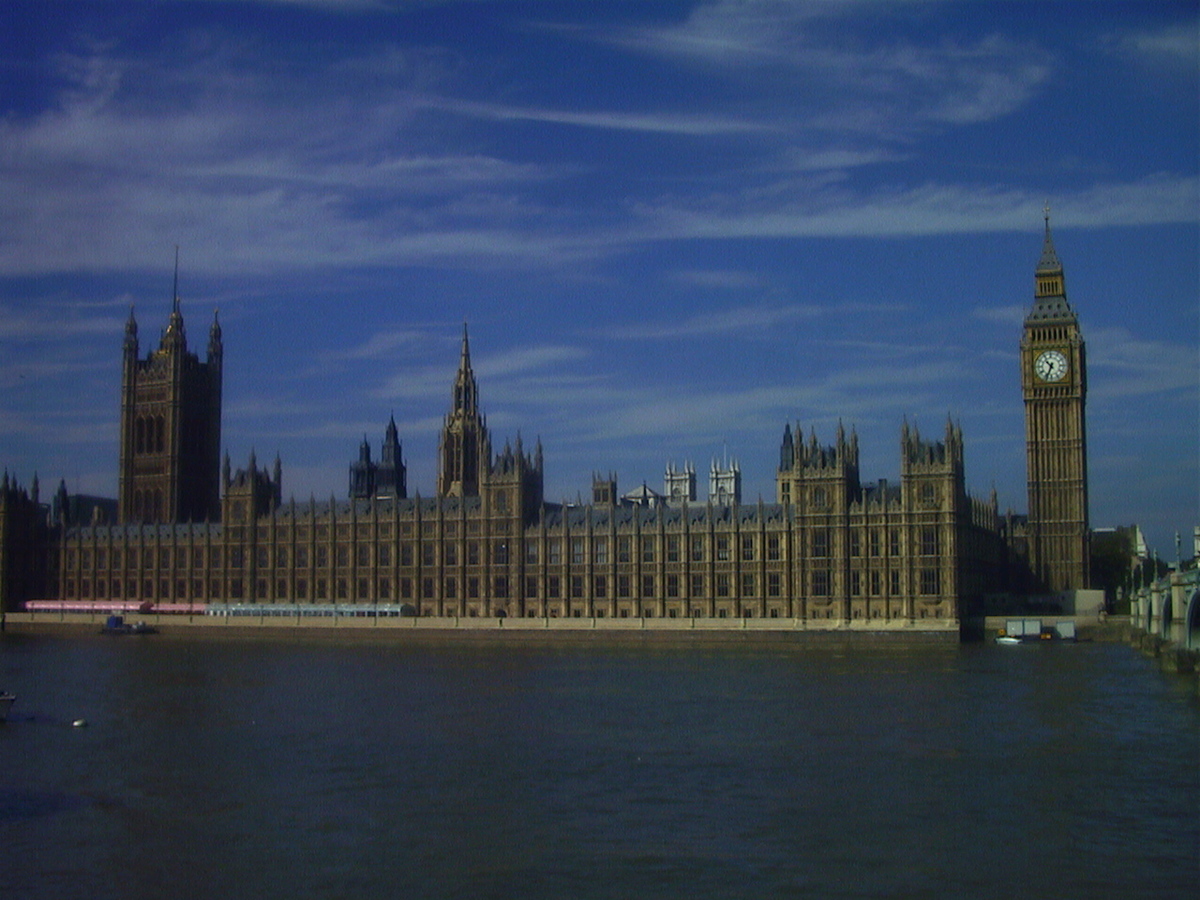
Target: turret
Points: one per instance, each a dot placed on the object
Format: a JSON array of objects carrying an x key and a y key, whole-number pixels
[
  {"x": 832, "y": 471},
  {"x": 390, "y": 453},
  {"x": 216, "y": 348},
  {"x": 725, "y": 482},
  {"x": 787, "y": 450},
  {"x": 131, "y": 339},
  {"x": 362, "y": 473},
  {"x": 61, "y": 502},
  {"x": 251, "y": 493},
  {"x": 679, "y": 485},
  {"x": 391, "y": 479},
  {"x": 604, "y": 489}
]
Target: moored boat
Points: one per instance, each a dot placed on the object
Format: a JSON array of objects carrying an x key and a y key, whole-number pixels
[
  {"x": 118, "y": 625},
  {"x": 6, "y": 700},
  {"x": 1031, "y": 631}
]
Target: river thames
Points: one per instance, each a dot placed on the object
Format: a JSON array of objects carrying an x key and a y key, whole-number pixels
[{"x": 227, "y": 768}]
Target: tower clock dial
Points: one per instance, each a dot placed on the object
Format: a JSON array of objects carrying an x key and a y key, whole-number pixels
[{"x": 1050, "y": 366}]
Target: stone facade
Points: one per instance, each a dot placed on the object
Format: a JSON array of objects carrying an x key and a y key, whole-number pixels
[
  {"x": 832, "y": 548},
  {"x": 878, "y": 554}
]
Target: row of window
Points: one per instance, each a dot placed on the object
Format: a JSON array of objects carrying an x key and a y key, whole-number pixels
[
  {"x": 671, "y": 612},
  {"x": 382, "y": 530},
  {"x": 819, "y": 497},
  {"x": 723, "y": 547},
  {"x": 1051, "y": 333},
  {"x": 722, "y": 586}
]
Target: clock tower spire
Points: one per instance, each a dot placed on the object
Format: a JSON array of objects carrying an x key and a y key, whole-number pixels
[{"x": 1054, "y": 385}]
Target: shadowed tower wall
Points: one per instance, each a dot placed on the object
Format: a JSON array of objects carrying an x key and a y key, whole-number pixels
[{"x": 170, "y": 427}]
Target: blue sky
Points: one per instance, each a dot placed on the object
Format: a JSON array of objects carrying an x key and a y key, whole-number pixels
[{"x": 672, "y": 228}]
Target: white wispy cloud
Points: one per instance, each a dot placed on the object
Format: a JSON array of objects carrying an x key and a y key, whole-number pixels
[
  {"x": 524, "y": 359},
  {"x": 81, "y": 424},
  {"x": 330, "y": 5},
  {"x": 1125, "y": 365},
  {"x": 721, "y": 279},
  {"x": 378, "y": 346},
  {"x": 721, "y": 322},
  {"x": 844, "y": 71},
  {"x": 1176, "y": 45},
  {"x": 731, "y": 32},
  {"x": 111, "y": 166},
  {"x": 662, "y": 122},
  {"x": 835, "y": 158},
  {"x": 582, "y": 409},
  {"x": 41, "y": 323},
  {"x": 929, "y": 209},
  {"x": 117, "y": 166},
  {"x": 31, "y": 374},
  {"x": 415, "y": 176}
]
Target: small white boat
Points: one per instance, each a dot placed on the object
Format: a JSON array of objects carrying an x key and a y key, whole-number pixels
[
  {"x": 1008, "y": 639},
  {"x": 6, "y": 700}
]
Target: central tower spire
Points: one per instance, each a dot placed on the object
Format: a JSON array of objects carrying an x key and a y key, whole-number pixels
[
  {"x": 465, "y": 448},
  {"x": 465, "y": 394},
  {"x": 175, "y": 288}
]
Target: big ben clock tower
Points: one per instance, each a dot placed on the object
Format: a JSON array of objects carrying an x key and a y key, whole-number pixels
[{"x": 1054, "y": 384}]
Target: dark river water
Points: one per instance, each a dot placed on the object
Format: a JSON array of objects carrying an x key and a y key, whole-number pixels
[{"x": 312, "y": 769}]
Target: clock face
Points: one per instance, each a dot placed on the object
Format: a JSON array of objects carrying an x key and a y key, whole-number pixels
[{"x": 1050, "y": 366}]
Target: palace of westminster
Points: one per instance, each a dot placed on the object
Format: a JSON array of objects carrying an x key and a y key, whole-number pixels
[{"x": 186, "y": 531}]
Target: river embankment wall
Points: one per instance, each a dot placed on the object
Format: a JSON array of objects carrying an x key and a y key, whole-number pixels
[
  {"x": 634, "y": 630},
  {"x": 497, "y": 629}
]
